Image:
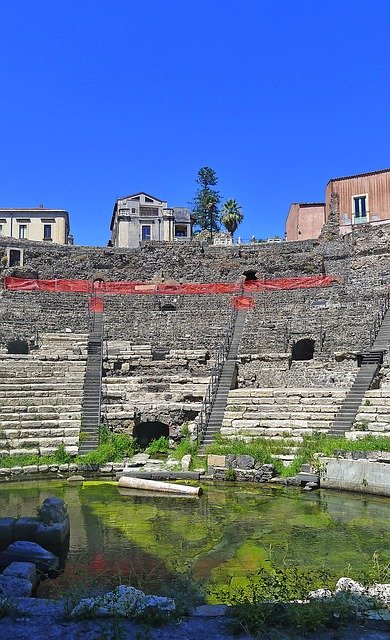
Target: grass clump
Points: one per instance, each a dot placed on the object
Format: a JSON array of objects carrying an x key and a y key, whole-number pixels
[
  {"x": 112, "y": 447},
  {"x": 265, "y": 451},
  {"x": 185, "y": 447},
  {"x": 160, "y": 445}
]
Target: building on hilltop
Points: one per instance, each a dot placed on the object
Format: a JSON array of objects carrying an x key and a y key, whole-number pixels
[
  {"x": 36, "y": 223},
  {"x": 362, "y": 199},
  {"x": 305, "y": 220},
  {"x": 141, "y": 217}
]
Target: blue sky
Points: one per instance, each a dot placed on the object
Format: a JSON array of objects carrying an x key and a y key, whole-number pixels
[{"x": 104, "y": 98}]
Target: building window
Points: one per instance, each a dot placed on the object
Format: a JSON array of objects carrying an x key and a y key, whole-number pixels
[
  {"x": 146, "y": 232},
  {"x": 360, "y": 208},
  {"x": 1, "y": 230},
  {"x": 47, "y": 232},
  {"x": 15, "y": 257},
  {"x": 133, "y": 210},
  {"x": 180, "y": 231},
  {"x": 22, "y": 231}
]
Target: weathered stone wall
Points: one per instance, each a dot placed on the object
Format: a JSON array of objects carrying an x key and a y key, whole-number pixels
[{"x": 337, "y": 318}]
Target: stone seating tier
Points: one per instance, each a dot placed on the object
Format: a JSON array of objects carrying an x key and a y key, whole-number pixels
[
  {"x": 41, "y": 395},
  {"x": 277, "y": 413}
]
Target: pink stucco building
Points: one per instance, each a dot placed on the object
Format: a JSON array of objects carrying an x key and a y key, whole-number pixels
[
  {"x": 305, "y": 220},
  {"x": 362, "y": 199}
]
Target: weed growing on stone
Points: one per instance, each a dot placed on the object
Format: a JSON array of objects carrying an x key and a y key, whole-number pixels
[
  {"x": 184, "y": 447},
  {"x": 160, "y": 445}
]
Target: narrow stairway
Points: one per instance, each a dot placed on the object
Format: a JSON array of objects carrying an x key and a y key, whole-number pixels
[
  {"x": 370, "y": 363},
  {"x": 214, "y": 422},
  {"x": 89, "y": 439}
]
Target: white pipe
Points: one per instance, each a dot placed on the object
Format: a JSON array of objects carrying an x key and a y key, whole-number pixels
[{"x": 157, "y": 485}]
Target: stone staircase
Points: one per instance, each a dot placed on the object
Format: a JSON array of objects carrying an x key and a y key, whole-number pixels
[
  {"x": 91, "y": 405},
  {"x": 41, "y": 395},
  {"x": 369, "y": 367},
  {"x": 277, "y": 413},
  {"x": 225, "y": 382}
]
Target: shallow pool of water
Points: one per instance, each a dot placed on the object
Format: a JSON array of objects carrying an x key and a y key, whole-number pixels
[{"x": 220, "y": 538}]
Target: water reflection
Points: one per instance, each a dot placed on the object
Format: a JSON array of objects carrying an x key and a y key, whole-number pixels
[{"x": 227, "y": 532}]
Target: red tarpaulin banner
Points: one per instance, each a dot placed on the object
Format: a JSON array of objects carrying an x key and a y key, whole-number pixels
[
  {"x": 96, "y": 304},
  {"x": 242, "y": 302},
  {"x": 145, "y": 288}
]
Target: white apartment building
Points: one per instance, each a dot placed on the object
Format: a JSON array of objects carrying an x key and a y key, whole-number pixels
[
  {"x": 37, "y": 223},
  {"x": 141, "y": 217}
]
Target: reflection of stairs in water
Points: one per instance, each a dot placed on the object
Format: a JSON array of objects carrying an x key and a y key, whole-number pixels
[{"x": 226, "y": 379}]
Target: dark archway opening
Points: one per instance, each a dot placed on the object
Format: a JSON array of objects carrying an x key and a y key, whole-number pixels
[
  {"x": 168, "y": 306},
  {"x": 303, "y": 349},
  {"x": 250, "y": 275},
  {"x": 145, "y": 432},
  {"x": 18, "y": 346}
]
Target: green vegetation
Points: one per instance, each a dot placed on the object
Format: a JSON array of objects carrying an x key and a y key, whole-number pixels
[
  {"x": 206, "y": 201},
  {"x": 265, "y": 451},
  {"x": 185, "y": 447},
  {"x": 161, "y": 445},
  {"x": 232, "y": 216},
  {"x": 113, "y": 447}
]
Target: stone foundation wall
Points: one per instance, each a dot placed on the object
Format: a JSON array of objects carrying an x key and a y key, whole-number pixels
[{"x": 278, "y": 370}]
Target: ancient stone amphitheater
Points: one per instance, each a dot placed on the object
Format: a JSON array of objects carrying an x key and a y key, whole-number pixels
[{"x": 282, "y": 339}]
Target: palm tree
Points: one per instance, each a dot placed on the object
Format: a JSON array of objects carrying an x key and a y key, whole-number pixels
[{"x": 232, "y": 215}]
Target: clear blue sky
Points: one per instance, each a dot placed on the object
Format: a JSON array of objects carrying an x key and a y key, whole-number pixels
[{"x": 102, "y": 98}]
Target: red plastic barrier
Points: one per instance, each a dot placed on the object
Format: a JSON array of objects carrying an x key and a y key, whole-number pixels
[
  {"x": 306, "y": 282},
  {"x": 96, "y": 304},
  {"x": 86, "y": 286},
  {"x": 243, "y": 302}
]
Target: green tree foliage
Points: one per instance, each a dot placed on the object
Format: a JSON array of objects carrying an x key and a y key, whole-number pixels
[
  {"x": 232, "y": 215},
  {"x": 206, "y": 201}
]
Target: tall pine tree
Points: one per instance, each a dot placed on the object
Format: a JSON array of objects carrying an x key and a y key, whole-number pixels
[{"x": 205, "y": 209}]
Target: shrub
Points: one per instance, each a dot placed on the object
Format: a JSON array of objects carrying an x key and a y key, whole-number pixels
[
  {"x": 160, "y": 445},
  {"x": 185, "y": 447}
]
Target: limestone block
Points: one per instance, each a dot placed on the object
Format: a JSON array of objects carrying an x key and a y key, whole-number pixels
[
  {"x": 15, "y": 471},
  {"x": 72, "y": 442},
  {"x": 233, "y": 415},
  {"x": 216, "y": 461},
  {"x": 52, "y": 536},
  {"x": 13, "y": 587},
  {"x": 106, "y": 469},
  {"x": 6, "y": 531},
  {"x": 23, "y": 551},
  {"x": 25, "y": 528},
  {"x": 23, "y": 570},
  {"x": 243, "y": 424},
  {"x": 31, "y": 468},
  {"x": 186, "y": 462}
]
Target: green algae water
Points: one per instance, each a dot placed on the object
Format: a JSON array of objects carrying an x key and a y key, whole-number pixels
[{"x": 221, "y": 539}]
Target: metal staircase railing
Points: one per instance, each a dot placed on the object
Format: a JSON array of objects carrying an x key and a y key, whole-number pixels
[
  {"x": 212, "y": 387},
  {"x": 383, "y": 307}
]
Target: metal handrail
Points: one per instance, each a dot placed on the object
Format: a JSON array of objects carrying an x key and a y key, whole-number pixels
[
  {"x": 212, "y": 387},
  {"x": 383, "y": 308}
]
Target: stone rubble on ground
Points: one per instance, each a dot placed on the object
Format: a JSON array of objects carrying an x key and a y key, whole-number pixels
[{"x": 127, "y": 602}]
